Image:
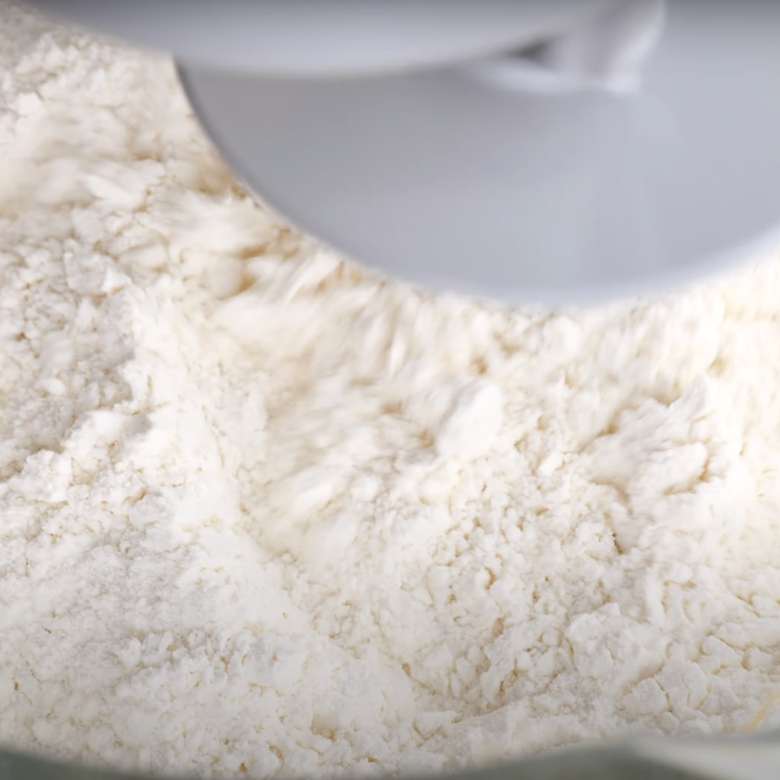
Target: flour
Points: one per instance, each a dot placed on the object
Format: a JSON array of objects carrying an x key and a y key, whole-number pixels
[{"x": 262, "y": 511}]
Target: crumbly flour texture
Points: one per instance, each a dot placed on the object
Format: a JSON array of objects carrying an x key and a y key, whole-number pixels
[{"x": 263, "y": 511}]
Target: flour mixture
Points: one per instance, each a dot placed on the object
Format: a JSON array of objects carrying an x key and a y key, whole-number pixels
[{"x": 264, "y": 512}]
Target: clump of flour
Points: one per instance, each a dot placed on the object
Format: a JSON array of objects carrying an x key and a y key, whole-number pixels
[{"x": 261, "y": 511}]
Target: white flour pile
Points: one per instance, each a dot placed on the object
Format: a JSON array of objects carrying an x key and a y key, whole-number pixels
[{"x": 261, "y": 513}]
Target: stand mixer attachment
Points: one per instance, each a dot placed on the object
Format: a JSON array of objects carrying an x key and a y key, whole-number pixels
[{"x": 554, "y": 152}]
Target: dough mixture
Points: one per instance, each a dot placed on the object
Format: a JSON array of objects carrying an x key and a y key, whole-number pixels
[{"x": 263, "y": 511}]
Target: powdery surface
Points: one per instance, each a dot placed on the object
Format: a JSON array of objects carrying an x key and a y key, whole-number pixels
[{"x": 261, "y": 511}]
